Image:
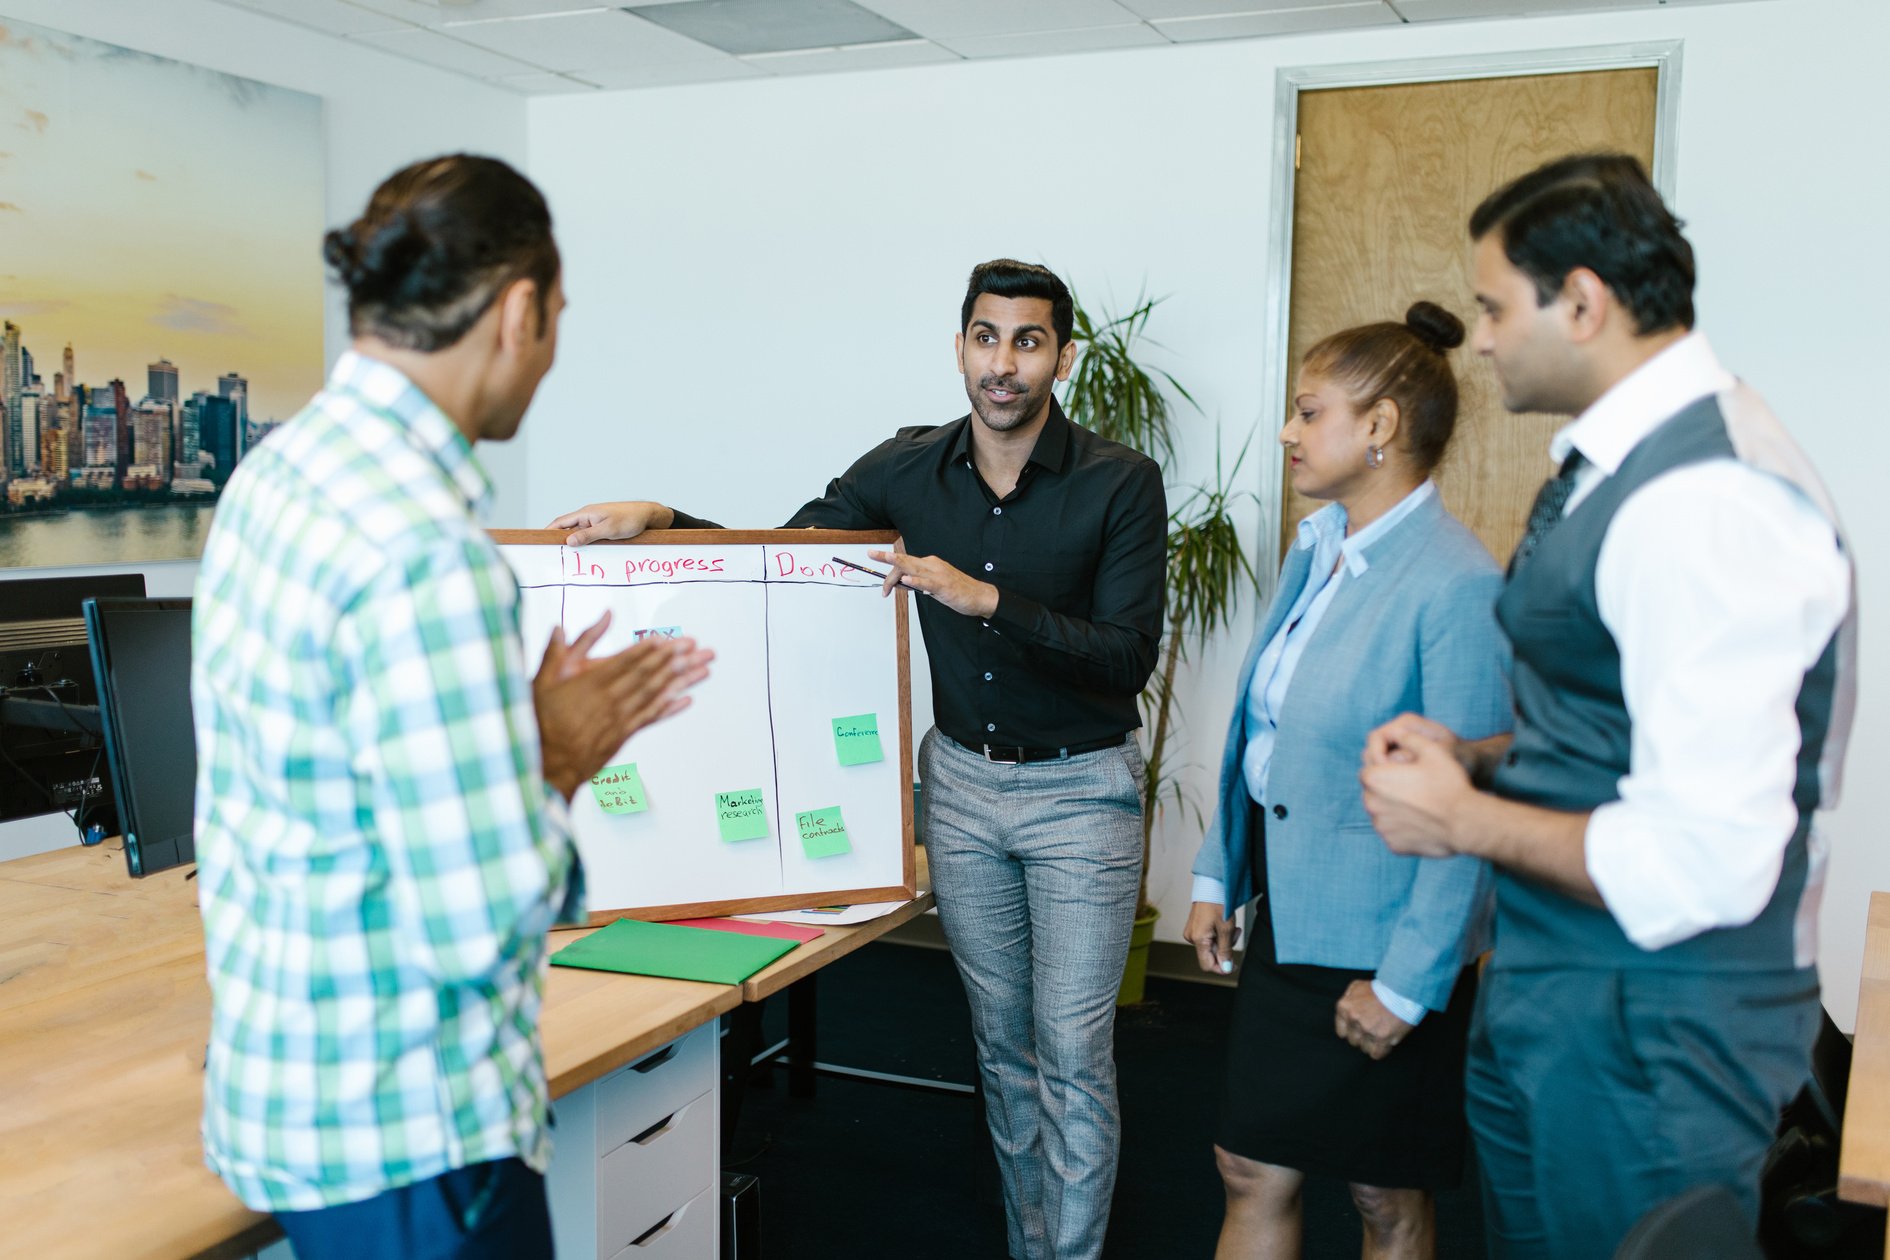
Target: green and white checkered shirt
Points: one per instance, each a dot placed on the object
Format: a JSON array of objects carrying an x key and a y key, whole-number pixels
[{"x": 379, "y": 855}]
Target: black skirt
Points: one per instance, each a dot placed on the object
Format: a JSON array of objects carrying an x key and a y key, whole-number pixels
[{"x": 1299, "y": 1096}]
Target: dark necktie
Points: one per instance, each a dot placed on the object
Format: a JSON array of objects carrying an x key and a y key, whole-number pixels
[{"x": 1547, "y": 509}]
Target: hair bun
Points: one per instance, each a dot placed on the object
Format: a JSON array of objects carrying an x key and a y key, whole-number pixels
[
  {"x": 1434, "y": 326},
  {"x": 375, "y": 258}
]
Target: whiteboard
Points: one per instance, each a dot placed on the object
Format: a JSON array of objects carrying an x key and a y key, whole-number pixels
[{"x": 800, "y": 642}]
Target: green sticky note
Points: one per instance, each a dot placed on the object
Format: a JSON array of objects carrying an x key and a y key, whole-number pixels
[
  {"x": 856, "y": 739},
  {"x": 823, "y": 834},
  {"x": 742, "y": 815},
  {"x": 619, "y": 789}
]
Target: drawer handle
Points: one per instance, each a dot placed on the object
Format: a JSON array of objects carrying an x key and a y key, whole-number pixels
[
  {"x": 656, "y": 1060},
  {"x": 649, "y": 1235},
  {"x": 655, "y": 1131}
]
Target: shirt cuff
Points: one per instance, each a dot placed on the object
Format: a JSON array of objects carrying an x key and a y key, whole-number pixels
[
  {"x": 1649, "y": 911},
  {"x": 1207, "y": 888},
  {"x": 1016, "y": 613},
  {"x": 1403, "y": 1007}
]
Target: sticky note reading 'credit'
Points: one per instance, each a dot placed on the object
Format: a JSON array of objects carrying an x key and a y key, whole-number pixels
[
  {"x": 822, "y": 832},
  {"x": 619, "y": 789},
  {"x": 856, "y": 739},
  {"x": 742, "y": 815}
]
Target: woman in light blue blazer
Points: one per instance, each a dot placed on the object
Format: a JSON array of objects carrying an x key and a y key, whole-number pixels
[{"x": 1346, "y": 1052}]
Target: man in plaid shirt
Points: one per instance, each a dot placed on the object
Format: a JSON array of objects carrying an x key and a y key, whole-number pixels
[{"x": 381, "y": 824}]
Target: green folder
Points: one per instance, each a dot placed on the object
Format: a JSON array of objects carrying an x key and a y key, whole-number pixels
[{"x": 679, "y": 953}]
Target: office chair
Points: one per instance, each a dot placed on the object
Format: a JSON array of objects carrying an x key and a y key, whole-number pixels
[{"x": 1704, "y": 1223}]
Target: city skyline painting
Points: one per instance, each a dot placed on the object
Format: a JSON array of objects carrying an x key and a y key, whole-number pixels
[{"x": 160, "y": 291}]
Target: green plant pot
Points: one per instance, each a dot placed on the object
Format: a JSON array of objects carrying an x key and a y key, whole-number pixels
[{"x": 1135, "y": 973}]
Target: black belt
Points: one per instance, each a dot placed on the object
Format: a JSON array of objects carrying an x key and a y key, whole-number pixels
[{"x": 1011, "y": 755}]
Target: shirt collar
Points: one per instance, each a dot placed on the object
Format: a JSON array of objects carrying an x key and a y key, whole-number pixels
[
  {"x": 1053, "y": 440},
  {"x": 1326, "y": 528},
  {"x": 1641, "y": 402},
  {"x": 389, "y": 393}
]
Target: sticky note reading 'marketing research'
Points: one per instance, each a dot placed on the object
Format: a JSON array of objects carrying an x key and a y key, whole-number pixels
[
  {"x": 619, "y": 789},
  {"x": 856, "y": 739},
  {"x": 742, "y": 815},
  {"x": 822, "y": 832}
]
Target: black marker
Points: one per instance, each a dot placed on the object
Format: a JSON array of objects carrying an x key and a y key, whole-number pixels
[{"x": 862, "y": 568}]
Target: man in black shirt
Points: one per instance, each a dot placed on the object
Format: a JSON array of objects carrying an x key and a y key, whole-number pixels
[{"x": 1038, "y": 551}]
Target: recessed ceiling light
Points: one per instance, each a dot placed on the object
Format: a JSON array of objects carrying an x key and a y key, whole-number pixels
[{"x": 748, "y": 27}]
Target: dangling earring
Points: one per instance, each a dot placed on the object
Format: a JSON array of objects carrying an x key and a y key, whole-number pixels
[{"x": 1374, "y": 457}]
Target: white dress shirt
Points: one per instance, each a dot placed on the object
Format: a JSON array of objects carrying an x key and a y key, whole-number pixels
[
  {"x": 1335, "y": 555},
  {"x": 1721, "y": 584}
]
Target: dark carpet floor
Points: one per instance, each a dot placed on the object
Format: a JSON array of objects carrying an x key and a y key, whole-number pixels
[{"x": 866, "y": 1170}]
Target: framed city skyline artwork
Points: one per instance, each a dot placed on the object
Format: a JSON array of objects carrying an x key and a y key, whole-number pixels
[{"x": 161, "y": 291}]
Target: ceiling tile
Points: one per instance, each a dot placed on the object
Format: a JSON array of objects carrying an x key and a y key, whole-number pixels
[
  {"x": 1284, "y": 22},
  {"x": 587, "y": 41},
  {"x": 336, "y": 17},
  {"x": 1044, "y": 43},
  {"x": 665, "y": 76},
  {"x": 538, "y": 84},
  {"x": 746, "y": 27},
  {"x": 943, "y": 19},
  {"x": 447, "y": 53},
  {"x": 1431, "y": 10},
  {"x": 908, "y": 52},
  {"x": 440, "y": 12},
  {"x": 1161, "y": 9}
]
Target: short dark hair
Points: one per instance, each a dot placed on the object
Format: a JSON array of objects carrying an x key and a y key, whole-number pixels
[
  {"x": 1008, "y": 278},
  {"x": 1599, "y": 211},
  {"x": 437, "y": 244},
  {"x": 1406, "y": 363}
]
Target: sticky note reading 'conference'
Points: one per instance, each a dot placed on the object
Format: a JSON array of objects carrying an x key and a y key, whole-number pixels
[
  {"x": 823, "y": 834},
  {"x": 741, "y": 815},
  {"x": 619, "y": 789},
  {"x": 856, "y": 739}
]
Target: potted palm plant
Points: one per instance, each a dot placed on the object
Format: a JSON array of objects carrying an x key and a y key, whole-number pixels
[{"x": 1114, "y": 394}]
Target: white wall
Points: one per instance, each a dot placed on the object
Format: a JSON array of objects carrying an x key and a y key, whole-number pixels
[
  {"x": 764, "y": 275},
  {"x": 379, "y": 113}
]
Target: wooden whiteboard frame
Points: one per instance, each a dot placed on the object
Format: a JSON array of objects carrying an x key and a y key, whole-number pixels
[{"x": 902, "y": 653}]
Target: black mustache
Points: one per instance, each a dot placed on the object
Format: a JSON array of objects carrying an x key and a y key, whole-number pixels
[{"x": 999, "y": 382}]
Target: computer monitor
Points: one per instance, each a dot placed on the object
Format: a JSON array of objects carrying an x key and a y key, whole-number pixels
[
  {"x": 51, "y": 756},
  {"x": 141, "y": 659}
]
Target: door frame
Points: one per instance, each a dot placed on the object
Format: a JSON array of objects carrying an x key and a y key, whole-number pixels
[{"x": 1663, "y": 56}]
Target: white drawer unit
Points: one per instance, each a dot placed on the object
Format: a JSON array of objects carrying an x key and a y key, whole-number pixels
[
  {"x": 685, "y": 1234},
  {"x": 634, "y": 1168}
]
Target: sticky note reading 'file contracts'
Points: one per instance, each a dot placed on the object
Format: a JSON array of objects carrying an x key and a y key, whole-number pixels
[
  {"x": 742, "y": 815},
  {"x": 856, "y": 739},
  {"x": 822, "y": 832},
  {"x": 619, "y": 789}
]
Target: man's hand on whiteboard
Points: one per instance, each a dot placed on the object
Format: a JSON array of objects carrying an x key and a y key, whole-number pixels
[
  {"x": 611, "y": 520},
  {"x": 931, "y": 576},
  {"x": 588, "y": 706}
]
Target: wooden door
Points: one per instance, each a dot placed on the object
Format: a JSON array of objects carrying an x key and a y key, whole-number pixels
[{"x": 1387, "y": 179}]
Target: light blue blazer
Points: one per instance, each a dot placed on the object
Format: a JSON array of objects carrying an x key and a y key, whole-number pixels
[{"x": 1416, "y": 632}]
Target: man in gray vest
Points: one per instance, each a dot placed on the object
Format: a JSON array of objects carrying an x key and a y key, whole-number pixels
[{"x": 1681, "y": 613}]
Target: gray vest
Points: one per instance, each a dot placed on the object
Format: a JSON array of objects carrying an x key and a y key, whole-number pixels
[{"x": 1573, "y": 733}]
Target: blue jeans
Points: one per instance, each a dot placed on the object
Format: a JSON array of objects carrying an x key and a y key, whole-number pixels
[
  {"x": 490, "y": 1211},
  {"x": 1035, "y": 868}
]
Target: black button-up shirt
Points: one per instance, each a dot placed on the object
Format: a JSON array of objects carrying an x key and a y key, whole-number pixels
[{"x": 1078, "y": 552}]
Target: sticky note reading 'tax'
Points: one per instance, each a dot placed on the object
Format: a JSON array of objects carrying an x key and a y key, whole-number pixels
[
  {"x": 822, "y": 832},
  {"x": 742, "y": 815},
  {"x": 856, "y": 739},
  {"x": 619, "y": 789}
]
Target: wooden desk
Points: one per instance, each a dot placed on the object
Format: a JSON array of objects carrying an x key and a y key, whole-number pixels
[
  {"x": 837, "y": 942},
  {"x": 1864, "y": 1157},
  {"x": 104, "y": 1012}
]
